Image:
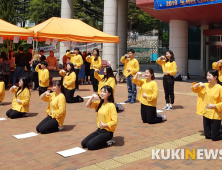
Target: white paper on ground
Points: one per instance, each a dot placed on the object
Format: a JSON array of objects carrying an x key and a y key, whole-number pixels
[
  {"x": 25, "y": 135},
  {"x": 159, "y": 111},
  {"x": 121, "y": 103},
  {"x": 71, "y": 152},
  {"x": 2, "y": 118},
  {"x": 1, "y": 40},
  {"x": 87, "y": 97}
]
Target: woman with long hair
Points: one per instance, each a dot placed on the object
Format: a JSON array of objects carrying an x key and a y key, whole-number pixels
[
  {"x": 56, "y": 110},
  {"x": 12, "y": 59},
  {"x": 148, "y": 97},
  {"x": 21, "y": 100},
  {"x": 169, "y": 68},
  {"x": 107, "y": 79},
  {"x": 96, "y": 63},
  {"x": 69, "y": 78},
  {"x": 6, "y": 68},
  {"x": 106, "y": 120},
  {"x": 2, "y": 88},
  {"x": 35, "y": 61},
  {"x": 209, "y": 105}
]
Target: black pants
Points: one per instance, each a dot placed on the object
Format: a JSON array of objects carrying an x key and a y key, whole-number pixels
[
  {"x": 94, "y": 80},
  {"x": 212, "y": 129},
  {"x": 87, "y": 74},
  {"x": 42, "y": 90},
  {"x": 148, "y": 114},
  {"x": 77, "y": 78},
  {"x": 48, "y": 125},
  {"x": 13, "y": 114},
  {"x": 168, "y": 85},
  {"x": 6, "y": 80},
  {"x": 36, "y": 79},
  {"x": 97, "y": 139},
  {"x": 69, "y": 96}
]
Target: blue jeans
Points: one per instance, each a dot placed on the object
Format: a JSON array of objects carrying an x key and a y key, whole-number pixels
[
  {"x": 19, "y": 71},
  {"x": 131, "y": 88}
]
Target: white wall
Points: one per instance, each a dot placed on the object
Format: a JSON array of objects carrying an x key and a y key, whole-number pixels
[{"x": 194, "y": 67}]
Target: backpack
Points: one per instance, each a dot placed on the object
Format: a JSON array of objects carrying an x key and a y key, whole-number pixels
[
  {"x": 178, "y": 77},
  {"x": 119, "y": 107}
]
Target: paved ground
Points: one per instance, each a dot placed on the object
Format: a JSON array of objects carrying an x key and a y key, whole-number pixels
[{"x": 133, "y": 138}]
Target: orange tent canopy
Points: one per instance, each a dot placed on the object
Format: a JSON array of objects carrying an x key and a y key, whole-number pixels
[
  {"x": 70, "y": 30},
  {"x": 8, "y": 31}
]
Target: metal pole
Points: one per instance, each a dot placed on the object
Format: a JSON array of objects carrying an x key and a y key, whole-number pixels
[{"x": 86, "y": 48}]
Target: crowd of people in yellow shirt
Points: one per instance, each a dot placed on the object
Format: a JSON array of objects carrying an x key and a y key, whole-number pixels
[{"x": 209, "y": 103}]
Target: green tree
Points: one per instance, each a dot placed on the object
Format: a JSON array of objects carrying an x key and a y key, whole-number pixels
[
  {"x": 7, "y": 11},
  {"x": 141, "y": 21}
]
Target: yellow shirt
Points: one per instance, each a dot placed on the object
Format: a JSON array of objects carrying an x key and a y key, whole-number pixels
[
  {"x": 2, "y": 91},
  {"x": 43, "y": 76},
  {"x": 69, "y": 80},
  {"x": 150, "y": 89},
  {"x": 75, "y": 59},
  {"x": 217, "y": 67},
  {"x": 213, "y": 95},
  {"x": 58, "y": 105},
  {"x": 171, "y": 67},
  {"x": 24, "y": 96},
  {"x": 52, "y": 63},
  {"x": 133, "y": 65},
  {"x": 110, "y": 82},
  {"x": 97, "y": 64},
  {"x": 106, "y": 114}
]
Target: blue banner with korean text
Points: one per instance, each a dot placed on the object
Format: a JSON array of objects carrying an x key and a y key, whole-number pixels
[{"x": 164, "y": 4}]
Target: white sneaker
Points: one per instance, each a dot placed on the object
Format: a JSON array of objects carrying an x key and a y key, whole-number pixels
[
  {"x": 158, "y": 115},
  {"x": 61, "y": 128},
  {"x": 164, "y": 117},
  {"x": 169, "y": 108},
  {"x": 110, "y": 142},
  {"x": 165, "y": 108}
]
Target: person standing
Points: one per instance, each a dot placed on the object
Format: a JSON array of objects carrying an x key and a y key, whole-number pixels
[
  {"x": 42, "y": 57},
  {"x": 148, "y": 97},
  {"x": 36, "y": 60},
  {"x": 20, "y": 61},
  {"x": 209, "y": 105},
  {"x": 43, "y": 75},
  {"x": 56, "y": 110},
  {"x": 107, "y": 120},
  {"x": 76, "y": 60},
  {"x": 64, "y": 60},
  {"x": 6, "y": 68},
  {"x": 87, "y": 70},
  {"x": 29, "y": 58},
  {"x": 52, "y": 64},
  {"x": 96, "y": 63},
  {"x": 69, "y": 84},
  {"x": 2, "y": 88},
  {"x": 131, "y": 67},
  {"x": 12, "y": 59},
  {"x": 21, "y": 100},
  {"x": 169, "y": 68}
]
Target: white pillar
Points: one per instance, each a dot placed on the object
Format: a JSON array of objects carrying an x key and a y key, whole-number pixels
[
  {"x": 122, "y": 26},
  {"x": 110, "y": 27},
  {"x": 179, "y": 44},
  {"x": 66, "y": 12},
  {"x": 203, "y": 27}
]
